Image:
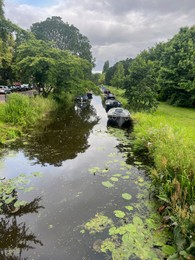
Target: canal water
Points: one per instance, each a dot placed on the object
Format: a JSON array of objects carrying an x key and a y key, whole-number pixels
[{"x": 86, "y": 183}]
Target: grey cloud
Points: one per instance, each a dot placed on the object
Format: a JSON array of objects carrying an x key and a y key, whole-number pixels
[{"x": 116, "y": 29}]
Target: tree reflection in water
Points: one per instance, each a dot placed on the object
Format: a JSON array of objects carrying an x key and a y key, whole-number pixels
[
  {"x": 60, "y": 137},
  {"x": 16, "y": 238}
]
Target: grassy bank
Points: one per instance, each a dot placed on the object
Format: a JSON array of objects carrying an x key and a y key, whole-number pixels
[
  {"x": 21, "y": 112},
  {"x": 167, "y": 138}
]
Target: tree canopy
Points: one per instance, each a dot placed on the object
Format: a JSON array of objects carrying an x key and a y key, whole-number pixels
[
  {"x": 50, "y": 68},
  {"x": 165, "y": 72},
  {"x": 63, "y": 36}
]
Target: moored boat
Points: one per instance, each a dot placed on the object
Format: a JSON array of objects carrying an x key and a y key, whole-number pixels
[
  {"x": 82, "y": 98},
  {"x": 89, "y": 95},
  {"x": 110, "y": 103},
  {"x": 109, "y": 96},
  {"x": 119, "y": 116}
]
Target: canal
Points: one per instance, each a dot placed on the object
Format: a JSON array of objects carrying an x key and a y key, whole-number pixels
[{"x": 87, "y": 194}]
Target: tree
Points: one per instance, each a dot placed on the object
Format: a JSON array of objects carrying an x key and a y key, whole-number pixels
[
  {"x": 118, "y": 77},
  {"x": 140, "y": 84},
  {"x": 63, "y": 36},
  {"x": 176, "y": 78},
  {"x": 49, "y": 68},
  {"x": 106, "y": 67},
  {"x": 1, "y": 8}
]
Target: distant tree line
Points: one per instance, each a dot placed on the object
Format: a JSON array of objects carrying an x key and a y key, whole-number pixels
[
  {"x": 165, "y": 72},
  {"x": 53, "y": 55}
]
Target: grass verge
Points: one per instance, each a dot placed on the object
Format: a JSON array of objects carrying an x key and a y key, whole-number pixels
[
  {"x": 167, "y": 138},
  {"x": 21, "y": 112}
]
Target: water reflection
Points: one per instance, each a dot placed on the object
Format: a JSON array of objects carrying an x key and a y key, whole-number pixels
[
  {"x": 16, "y": 237},
  {"x": 61, "y": 137}
]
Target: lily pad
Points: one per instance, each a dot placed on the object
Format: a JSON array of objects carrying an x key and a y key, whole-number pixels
[
  {"x": 117, "y": 175},
  {"x": 98, "y": 223},
  {"x": 129, "y": 208},
  {"x": 126, "y": 196},
  {"x": 107, "y": 245},
  {"x": 114, "y": 179},
  {"x": 126, "y": 177},
  {"x": 107, "y": 184},
  {"x": 94, "y": 170},
  {"x": 140, "y": 179},
  {"x": 119, "y": 214}
]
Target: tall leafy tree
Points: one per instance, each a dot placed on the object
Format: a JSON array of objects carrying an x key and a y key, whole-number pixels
[
  {"x": 140, "y": 84},
  {"x": 50, "y": 68},
  {"x": 1, "y": 8},
  {"x": 118, "y": 77},
  {"x": 177, "y": 73},
  {"x": 63, "y": 36},
  {"x": 106, "y": 67}
]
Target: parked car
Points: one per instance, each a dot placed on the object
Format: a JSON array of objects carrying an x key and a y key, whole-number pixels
[{"x": 4, "y": 90}]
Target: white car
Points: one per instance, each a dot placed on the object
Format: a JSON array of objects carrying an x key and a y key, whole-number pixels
[{"x": 4, "y": 90}]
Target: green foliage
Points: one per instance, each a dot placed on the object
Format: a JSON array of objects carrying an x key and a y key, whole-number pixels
[
  {"x": 63, "y": 36},
  {"x": 140, "y": 84},
  {"x": 126, "y": 196},
  {"x": 176, "y": 77},
  {"x": 23, "y": 110},
  {"x": 118, "y": 77},
  {"x": 98, "y": 223},
  {"x": 119, "y": 213},
  {"x": 52, "y": 69},
  {"x": 106, "y": 67},
  {"x": 169, "y": 144},
  {"x": 111, "y": 71},
  {"x": 164, "y": 72}
]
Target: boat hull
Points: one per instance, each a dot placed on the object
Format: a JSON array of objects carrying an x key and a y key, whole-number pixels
[{"x": 119, "y": 117}]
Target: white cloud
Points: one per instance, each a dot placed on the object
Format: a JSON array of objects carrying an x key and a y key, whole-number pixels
[{"x": 116, "y": 29}]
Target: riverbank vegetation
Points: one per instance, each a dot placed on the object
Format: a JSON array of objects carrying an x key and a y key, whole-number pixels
[
  {"x": 164, "y": 72},
  {"x": 59, "y": 68},
  {"x": 21, "y": 112},
  {"x": 167, "y": 138}
]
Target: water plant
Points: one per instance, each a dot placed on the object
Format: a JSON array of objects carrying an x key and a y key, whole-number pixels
[
  {"x": 133, "y": 231},
  {"x": 98, "y": 223},
  {"x": 9, "y": 188}
]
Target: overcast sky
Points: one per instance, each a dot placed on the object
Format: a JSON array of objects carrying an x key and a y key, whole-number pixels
[{"x": 116, "y": 29}]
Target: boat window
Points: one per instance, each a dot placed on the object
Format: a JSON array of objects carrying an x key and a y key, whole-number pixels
[{"x": 118, "y": 110}]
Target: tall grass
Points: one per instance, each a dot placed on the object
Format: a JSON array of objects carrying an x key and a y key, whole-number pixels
[
  {"x": 168, "y": 138},
  {"x": 21, "y": 111}
]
